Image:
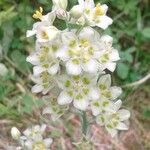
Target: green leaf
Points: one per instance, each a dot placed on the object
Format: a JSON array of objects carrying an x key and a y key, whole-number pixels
[
  {"x": 126, "y": 56},
  {"x": 7, "y": 36},
  {"x": 29, "y": 104},
  {"x": 146, "y": 113},
  {"x": 146, "y": 32},
  {"x": 74, "y": 26},
  {"x": 20, "y": 60},
  {"x": 122, "y": 70}
]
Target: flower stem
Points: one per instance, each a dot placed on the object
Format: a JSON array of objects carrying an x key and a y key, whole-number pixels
[{"x": 84, "y": 122}]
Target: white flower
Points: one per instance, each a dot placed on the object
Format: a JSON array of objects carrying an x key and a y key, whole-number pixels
[
  {"x": 99, "y": 106},
  {"x": 79, "y": 53},
  {"x": 44, "y": 83},
  {"x": 44, "y": 29},
  {"x": 108, "y": 55},
  {"x": 104, "y": 93},
  {"x": 45, "y": 34},
  {"x": 94, "y": 15},
  {"x": 114, "y": 121},
  {"x": 35, "y": 132},
  {"x": 77, "y": 89},
  {"x": 32, "y": 139},
  {"x": 44, "y": 58},
  {"x": 54, "y": 109},
  {"x": 105, "y": 89},
  {"x": 15, "y": 133}
]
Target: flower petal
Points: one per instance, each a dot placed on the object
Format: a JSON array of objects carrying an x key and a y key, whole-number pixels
[
  {"x": 37, "y": 70},
  {"x": 111, "y": 66},
  {"x": 91, "y": 66},
  {"x": 67, "y": 37},
  {"x": 48, "y": 142},
  {"x": 89, "y": 3},
  {"x": 81, "y": 2},
  {"x": 105, "y": 80},
  {"x": 27, "y": 132},
  {"x": 122, "y": 126},
  {"x": 87, "y": 33},
  {"x": 105, "y": 21},
  {"x": 54, "y": 69},
  {"x": 30, "y": 33},
  {"x": 107, "y": 39},
  {"x": 33, "y": 59},
  {"x": 64, "y": 98},
  {"x": 73, "y": 69},
  {"x": 115, "y": 92},
  {"x": 100, "y": 120},
  {"x": 37, "y": 88},
  {"x": 28, "y": 144},
  {"x": 95, "y": 107},
  {"x": 81, "y": 104},
  {"x": 94, "y": 94},
  {"x": 43, "y": 128},
  {"x": 104, "y": 7},
  {"x": 62, "y": 54},
  {"x": 114, "y": 55},
  {"x": 124, "y": 114},
  {"x": 116, "y": 106}
]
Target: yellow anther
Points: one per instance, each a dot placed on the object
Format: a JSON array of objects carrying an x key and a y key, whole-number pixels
[
  {"x": 84, "y": 42},
  {"x": 98, "y": 10},
  {"x": 44, "y": 35},
  {"x": 38, "y": 13},
  {"x": 72, "y": 43}
]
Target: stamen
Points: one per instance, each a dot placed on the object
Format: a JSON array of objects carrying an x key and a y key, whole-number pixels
[
  {"x": 99, "y": 11},
  {"x": 38, "y": 13}
]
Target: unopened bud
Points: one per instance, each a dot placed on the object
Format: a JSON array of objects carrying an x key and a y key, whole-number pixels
[
  {"x": 62, "y": 14},
  {"x": 60, "y": 3},
  {"x": 15, "y": 133},
  {"x": 76, "y": 12},
  {"x": 3, "y": 70}
]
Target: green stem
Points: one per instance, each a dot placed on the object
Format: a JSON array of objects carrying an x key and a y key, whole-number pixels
[{"x": 84, "y": 122}]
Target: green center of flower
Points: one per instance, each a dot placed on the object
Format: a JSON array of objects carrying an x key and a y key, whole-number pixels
[
  {"x": 98, "y": 10},
  {"x": 80, "y": 52},
  {"x": 104, "y": 58},
  {"x": 77, "y": 87},
  {"x": 46, "y": 79},
  {"x": 39, "y": 146}
]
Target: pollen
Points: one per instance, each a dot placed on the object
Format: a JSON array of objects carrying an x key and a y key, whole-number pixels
[
  {"x": 38, "y": 13},
  {"x": 72, "y": 43},
  {"x": 44, "y": 35},
  {"x": 84, "y": 42},
  {"x": 98, "y": 10}
]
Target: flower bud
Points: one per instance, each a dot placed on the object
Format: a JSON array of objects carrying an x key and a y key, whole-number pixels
[
  {"x": 62, "y": 14},
  {"x": 3, "y": 70},
  {"x": 60, "y": 3},
  {"x": 15, "y": 133},
  {"x": 76, "y": 12}
]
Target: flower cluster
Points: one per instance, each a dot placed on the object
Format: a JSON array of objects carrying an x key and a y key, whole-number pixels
[
  {"x": 75, "y": 60},
  {"x": 32, "y": 138}
]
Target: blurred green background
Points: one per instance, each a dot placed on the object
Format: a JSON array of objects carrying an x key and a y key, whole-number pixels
[{"x": 131, "y": 32}]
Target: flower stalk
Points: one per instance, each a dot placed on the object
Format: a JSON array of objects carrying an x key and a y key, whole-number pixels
[{"x": 84, "y": 122}]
